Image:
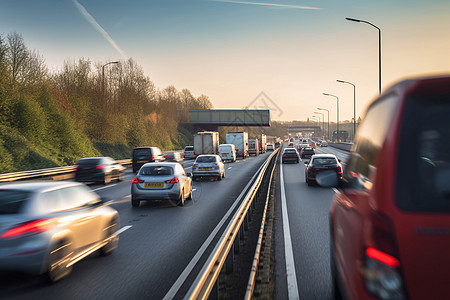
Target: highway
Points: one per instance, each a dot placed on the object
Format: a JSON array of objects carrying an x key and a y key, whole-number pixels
[
  {"x": 302, "y": 268},
  {"x": 161, "y": 246}
]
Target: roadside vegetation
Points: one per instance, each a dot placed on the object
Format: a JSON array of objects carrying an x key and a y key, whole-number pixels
[{"x": 53, "y": 119}]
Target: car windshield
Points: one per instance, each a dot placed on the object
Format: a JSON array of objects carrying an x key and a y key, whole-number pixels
[
  {"x": 89, "y": 161},
  {"x": 12, "y": 201},
  {"x": 289, "y": 151},
  {"x": 156, "y": 170},
  {"x": 206, "y": 159},
  {"x": 142, "y": 152},
  {"x": 324, "y": 161},
  {"x": 189, "y": 149}
]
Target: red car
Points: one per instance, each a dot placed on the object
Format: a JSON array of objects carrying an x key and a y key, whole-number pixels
[{"x": 390, "y": 221}]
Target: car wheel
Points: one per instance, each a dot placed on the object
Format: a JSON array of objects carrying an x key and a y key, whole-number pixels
[
  {"x": 219, "y": 177},
  {"x": 180, "y": 201},
  {"x": 310, "y": 183},
  {"x": 190, "y": 195},
  {"x": 107, "y": 179},
  {"x": 223, "y": 175},
  {"x": 58, "y": 260},
  {"x": 113, "y": 238},
  {"x": 297, "y": 160},
  {"x": 135, "y": 202}
]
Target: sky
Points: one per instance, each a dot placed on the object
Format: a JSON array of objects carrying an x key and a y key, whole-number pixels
[{"x": 292, "y": 51}]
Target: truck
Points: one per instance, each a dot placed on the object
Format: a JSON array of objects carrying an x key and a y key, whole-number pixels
[
  {"x": 206, "y": 142},
  {"x": 253, "y": 147},
  {"x": 240, "y": 141},
  {"x": 263, "y": 144}
]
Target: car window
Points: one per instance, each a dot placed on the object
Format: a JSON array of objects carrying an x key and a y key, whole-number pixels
[
  {"x": 156, "y": 170},
  {"x": 323, "y": 161},
  {"x": 369, "y": 139},
  {"x": 290, "y": 151},
  {"x": 144, "y": 152},
  {"x": 206, "y": 159},
  {"x": 76, "y": 196},
  {"x": 423, "y": 176},
  {"x": 89, "y": 161},
  {"x": 51, "y": 201},
  {"x": 11, "y": 202},
  {"x": 189, "y": 149}
]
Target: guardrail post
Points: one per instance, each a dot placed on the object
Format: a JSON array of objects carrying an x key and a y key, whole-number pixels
[
  {"x": 229, "y": 261},
  {"x": 236, "y": 245},
  {"x": 245, "y": 221},
  {"x": 214, "y": 295},
  {"x": 241, "y": 233}
]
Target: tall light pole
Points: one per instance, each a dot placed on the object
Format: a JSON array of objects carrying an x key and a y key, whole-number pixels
[
  {"x": 103, "y": 74},
  {"x": 379, "y": 47},
  {"x": 337, "y": 112},
  {"x": 328, "y": 126},
  {"x": 323, "y": 121},
  {"x": 354, "y": 104}
]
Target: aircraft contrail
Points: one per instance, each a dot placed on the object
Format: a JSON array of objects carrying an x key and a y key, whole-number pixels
[
  {"x": 267, "y": 4},
  {"x": 99, "y": 28}
]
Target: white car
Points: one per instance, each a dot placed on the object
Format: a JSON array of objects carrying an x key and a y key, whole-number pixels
[
  {"x": 227, "y": 152},
  {"x": 208, "y": 165},
  {"x": 270, "y": 147}
]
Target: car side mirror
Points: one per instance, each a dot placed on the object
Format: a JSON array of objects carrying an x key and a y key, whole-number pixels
[
  {"x": 189, "y": 174},
  {"x": 306, "y": 163},
  {"x": 339, "y": 160}
]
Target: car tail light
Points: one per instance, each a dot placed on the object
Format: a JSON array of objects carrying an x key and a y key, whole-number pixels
[
  {"x": 174, "y": 180},
  {"x": 153, "y": 157},
  {"x": 381, "y": 273},
  {"x": 212, "y": 152},
  {"x": 28, "y": 228},
  {"x": 339, "y": 169},
  {"x": 136, "y": 180},
  {"x": 131, "y": 157},
  {"x": 313, "y": 169},
  {"x": 99, "y": 166},
  {"x": 76, "y": 168},
  {"x": 194, "y": 166}
]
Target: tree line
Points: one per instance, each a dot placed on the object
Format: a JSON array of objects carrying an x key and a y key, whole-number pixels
[{"x": 85, "y": 109}]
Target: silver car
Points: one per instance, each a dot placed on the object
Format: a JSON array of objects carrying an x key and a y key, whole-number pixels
[
  {"x": 46, "y": 227},
  {"x": 161, "y": 181},
  {"x": 208, "y": 166}
]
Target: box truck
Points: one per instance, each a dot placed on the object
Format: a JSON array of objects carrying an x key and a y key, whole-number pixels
[
  {"x": 240, "y": 141},
  {"x": 253, "y": 147},
  {"x": 206, "y": 142}
]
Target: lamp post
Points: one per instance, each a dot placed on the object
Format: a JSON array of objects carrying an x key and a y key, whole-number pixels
[
  {"x": 354, "y": 105},
  {"x": 379, "y": 47},
  {"x": 323, "y": 121},
  {"x": 328, "y": 118},
  {"x": 103, "y": 74},
  {"x": 317, "y": 119},
  {"x": 337, "y": 111}
]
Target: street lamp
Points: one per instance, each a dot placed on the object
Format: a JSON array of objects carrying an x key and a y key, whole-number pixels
[
  {"x": 103, "y": 74},
  {"x": 328, "y": 125},
  {"x": 337, "y": 112},
  {"x": 379, "y": 48},
  {"x": 323, "y": 121},
  {"x": 354, "y": 105}
]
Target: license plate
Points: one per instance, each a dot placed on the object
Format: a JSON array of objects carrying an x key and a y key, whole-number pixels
[
  {"x": 204, "y": 169},
  {"x": 153, "y": 184},
  {"x": 142, "y": 161},
  {"x": 225, "y": 154}
]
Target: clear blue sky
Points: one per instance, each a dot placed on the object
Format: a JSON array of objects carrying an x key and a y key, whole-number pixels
[{"x": 231, "y": 50}]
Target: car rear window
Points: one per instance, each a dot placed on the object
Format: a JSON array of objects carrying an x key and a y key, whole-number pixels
[
  {"x": 11, "y": 202},
  {"x": 89, "y": 161},
  {"x": 323, "y": 161},
  {"x": 156, "y": 170},
  {"x": 142, "y": 152},
  {"x": 423, "y": 175},
  {"x": 189, "y": 149},
  {"x": 289, "y": 151},
  {"x": 206, "y": 159}
]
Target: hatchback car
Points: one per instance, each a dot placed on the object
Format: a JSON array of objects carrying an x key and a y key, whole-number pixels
[
  {"x": 390, "y": 221},
  {"x": 290, "y": 155},
  {"x": 189, "y": 152},
  {"x": 307, "y": 151},
  {"x": 99, "y": 169},
  {"x": 172, "y": 157},
  {"x": 321, "y": 163},
  {"x": 46, "y": 227},
  {"x": 161, "y": 181},
  {"x": 208, "y": 166},
  {"x": 270, "y": 147},
  {"x": 143, "y": 155},
  {"x": 227, "y": 152}
]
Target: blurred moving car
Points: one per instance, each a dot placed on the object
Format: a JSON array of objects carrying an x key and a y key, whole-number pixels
[
  {"x": 208, "y": 166},
  {"x": 324, "y": 144},
  {"x": 277, "y": 145},
  {"x": 189, "y": 152},
  {"x": 143, "y": 155},
  {"x": 172, "y": 157},
  {"x": 270, "y": 147},
  {"x": 306, "y": 151},
  {"x": 161, "y": 181},
  {"x": 290, "y": 154},
  {"x": 320, "y": 163},
  {"x": 99, "y": 169},
  {"x": 390, "y": 221},
  {"x": 227, "y": 152},
  {"x": 46, "y": 227}
]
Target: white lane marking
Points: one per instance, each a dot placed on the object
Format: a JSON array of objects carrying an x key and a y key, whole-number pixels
[
  {"x": 176, "y": 286},
  {"x": 335, "y": 190},
  {"x": 289, "y": 254},
  {"x": 123, "y": 229},
  {"x": 194, "y": 190},
  {"x": 229, "y": 168},
  {"x": 104, "y": 187}
]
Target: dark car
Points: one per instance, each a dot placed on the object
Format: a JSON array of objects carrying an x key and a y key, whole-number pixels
[
  {"x": 99, "y": 169},
  {"x": 143, "y": 155},
  {"x": 390, "y": 220},
  {"x": 307, "y": 151},
  {"x": 277, "y": 145},
  {"x": 320, "y": 163},
  {"x": 290, "y": 155}
]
